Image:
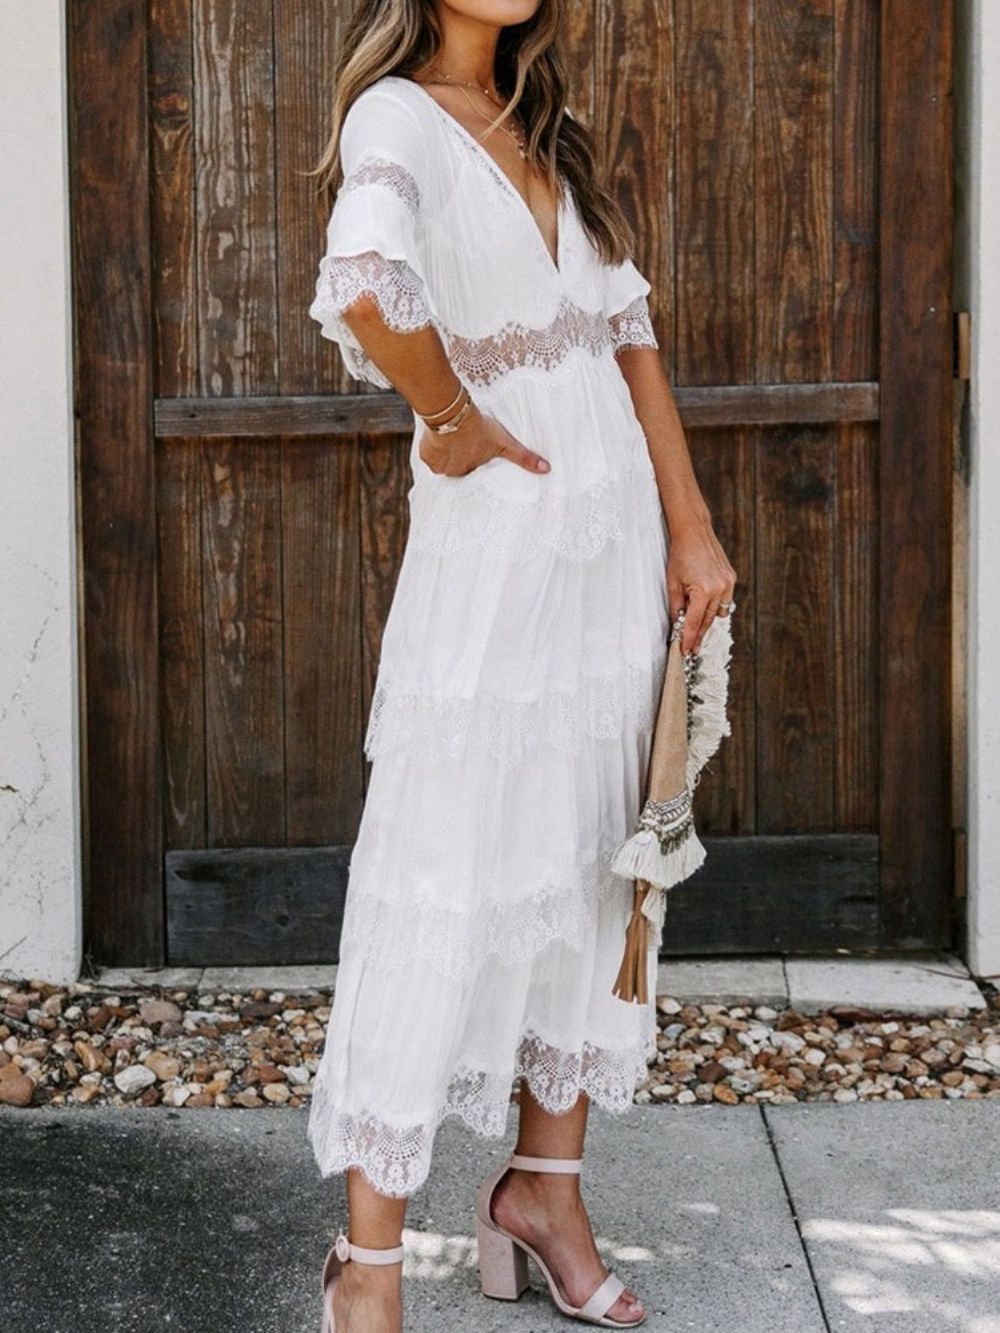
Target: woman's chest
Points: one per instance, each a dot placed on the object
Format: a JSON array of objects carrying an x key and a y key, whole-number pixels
[{"x": 488, "y": 254}]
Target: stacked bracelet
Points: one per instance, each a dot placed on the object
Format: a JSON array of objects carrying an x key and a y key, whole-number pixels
[{"x": 454, "y": 414}]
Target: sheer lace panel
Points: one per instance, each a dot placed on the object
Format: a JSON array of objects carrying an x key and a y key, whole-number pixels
[
  {"x": 397, "y": 1159},
  {"x": 380, "y": 172},
  {"x": 632, "y": 327},
  {"x": 509, "y": 730},
  {"x": 482, "y": 360},
  {"x": 512, "y": 929}
]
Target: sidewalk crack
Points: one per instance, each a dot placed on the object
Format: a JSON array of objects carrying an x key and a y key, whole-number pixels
[{"x": 772, "y": 1144}]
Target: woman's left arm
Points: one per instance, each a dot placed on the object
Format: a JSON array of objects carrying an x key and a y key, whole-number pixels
[{"x": 699, "y": 575}]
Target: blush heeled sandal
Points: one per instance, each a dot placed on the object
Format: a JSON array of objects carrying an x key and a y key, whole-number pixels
[
  {"x": 338, "y": 1254},
  {"x": 503, "y": 1258}
]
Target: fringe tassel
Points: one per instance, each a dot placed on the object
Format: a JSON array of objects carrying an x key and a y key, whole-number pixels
[
  {"x": 640, "y": 857},
  {"x": 631, "y": 982},
  {"x": 708, "y": 690}
]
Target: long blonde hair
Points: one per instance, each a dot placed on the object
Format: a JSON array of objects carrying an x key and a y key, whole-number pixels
[{"x": 402, "y": 36}]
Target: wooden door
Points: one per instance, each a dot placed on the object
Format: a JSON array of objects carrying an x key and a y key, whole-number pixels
[{"x": 788, "y": 167}]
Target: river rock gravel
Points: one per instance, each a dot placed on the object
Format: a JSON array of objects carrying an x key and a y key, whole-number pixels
[{"x": 83, "y": 1044}]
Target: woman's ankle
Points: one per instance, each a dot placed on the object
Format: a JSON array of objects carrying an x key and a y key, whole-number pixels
[{"x": 359, "y": 1277}]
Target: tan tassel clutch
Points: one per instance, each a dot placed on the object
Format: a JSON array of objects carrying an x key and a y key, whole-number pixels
[{"x": 664, "y": 848}]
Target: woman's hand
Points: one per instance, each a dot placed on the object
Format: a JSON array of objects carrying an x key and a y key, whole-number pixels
[
  {"x": 479, "y": 438},
  {"x": 699, "y": 577}
]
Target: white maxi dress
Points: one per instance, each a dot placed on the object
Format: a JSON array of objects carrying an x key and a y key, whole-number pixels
[{"x": 520, "y": 666}]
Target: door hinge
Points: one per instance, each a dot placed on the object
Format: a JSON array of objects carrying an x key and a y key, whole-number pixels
[{"x": 961, "y": 358}]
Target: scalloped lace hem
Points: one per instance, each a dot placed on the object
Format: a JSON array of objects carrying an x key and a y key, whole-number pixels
[
  {"x": 562, "y": 909},
  {"x": 392, "y": 284},
  {"x": 396, "y": 1160},
  {"x": 448, "y": 514},
  {"x": 511, "y": 730}
]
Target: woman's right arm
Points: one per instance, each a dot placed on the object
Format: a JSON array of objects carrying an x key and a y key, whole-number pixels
[
  {"x": 372, "y": 295},
  {"x": 416, "y": 365}
]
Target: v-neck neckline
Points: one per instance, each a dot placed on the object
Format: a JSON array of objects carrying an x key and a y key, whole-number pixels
[{"x": 556, "y": 264}]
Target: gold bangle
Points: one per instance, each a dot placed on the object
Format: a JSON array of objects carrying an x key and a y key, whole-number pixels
[
  {"x": 444, "y": 410},
  {"x": 447, "y": 427},
  {"x": 463, "y": 398}
]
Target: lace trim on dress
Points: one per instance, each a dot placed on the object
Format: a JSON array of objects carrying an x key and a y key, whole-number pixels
[
  {"x": 481, "y": 361},
  {"x": 632, "y": 327},
  {"x": 509, "y": 730},
  {"x": 452, "y": 514},
  {"x": 379, "y": 171},
  {"x": 391, "y": 283},
  {"x": 512, "y": 930},
  {"x": 396, "y": 1160}
]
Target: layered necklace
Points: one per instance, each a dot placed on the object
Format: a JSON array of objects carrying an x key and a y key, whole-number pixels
[{"x": 518, "y": 137}]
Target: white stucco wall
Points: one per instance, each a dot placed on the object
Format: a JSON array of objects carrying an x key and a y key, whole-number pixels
[
  {"x": 982, "y": 206},
  {"x": 39, "y": 789}
]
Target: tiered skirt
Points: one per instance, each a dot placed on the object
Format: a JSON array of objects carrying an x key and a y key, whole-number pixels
[{"x": 509, "y": 734}]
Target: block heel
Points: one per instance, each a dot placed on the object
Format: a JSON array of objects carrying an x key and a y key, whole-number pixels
[{"x": 503, "y": 1267}]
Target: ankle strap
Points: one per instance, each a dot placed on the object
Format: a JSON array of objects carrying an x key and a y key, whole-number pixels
[
  {"x": 346, "y": 1250},
  {"x": 559, "y": 1165}
]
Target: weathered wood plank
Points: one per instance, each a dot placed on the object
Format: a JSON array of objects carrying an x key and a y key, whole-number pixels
[
  {"x": 251, "y": 906},
  {"x": 113, "y": 356},
  {"x": 715, "y": 194},
  {"x": 234, "y": 154},
  {"x": 633, "y": 99},
  {"x": 172, "y": 213},
  {"x": 306, "y": 37},
  {"x": 793, "y": 229},
  {"x": 176, "y": 371},
  {"x": 794, "y": 612},
  {"x": 182, "y": 643},
  {"x": 855, "y": 628},
  {"x": 244, "y": 677},
  {"x": 855, "y": 190},
  {"x": 337, "y": 415},
  {"x": 915, "y": 470},
  {"x": 577, "y": 48},
  {"x": 321, "y": 577}
]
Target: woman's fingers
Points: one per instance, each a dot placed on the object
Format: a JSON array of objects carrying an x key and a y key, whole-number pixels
[
  {"x": 457, "y": 457},
  {"x": 703, "y": 605},
  {"x": 694, "y": 617},
  {"x": 515, "y": 452},
  {"x": 675, "y": 596}
]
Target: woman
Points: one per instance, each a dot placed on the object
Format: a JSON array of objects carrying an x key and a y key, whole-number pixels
[{"x": 475, "y": 265}]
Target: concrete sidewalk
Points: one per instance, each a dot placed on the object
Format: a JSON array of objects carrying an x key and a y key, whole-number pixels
[
  {"x": 927, "y": 983},
  {"x": 803, "y": 1219}
]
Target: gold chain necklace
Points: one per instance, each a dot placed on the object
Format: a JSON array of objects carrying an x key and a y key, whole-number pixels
[{"x": 458, "y": 83}]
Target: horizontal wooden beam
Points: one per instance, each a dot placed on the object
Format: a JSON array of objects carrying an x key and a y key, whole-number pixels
[
  {"x": 247, "y": 906},
  {"x": 778, "y": 893},
  {"x": 754, "y": 894},
  {"x": 382, "y": 413}
]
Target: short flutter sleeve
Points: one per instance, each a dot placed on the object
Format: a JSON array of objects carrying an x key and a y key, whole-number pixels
[
  {"x": 374, "y": 234},
  {"x": 627, "y": 308}
]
